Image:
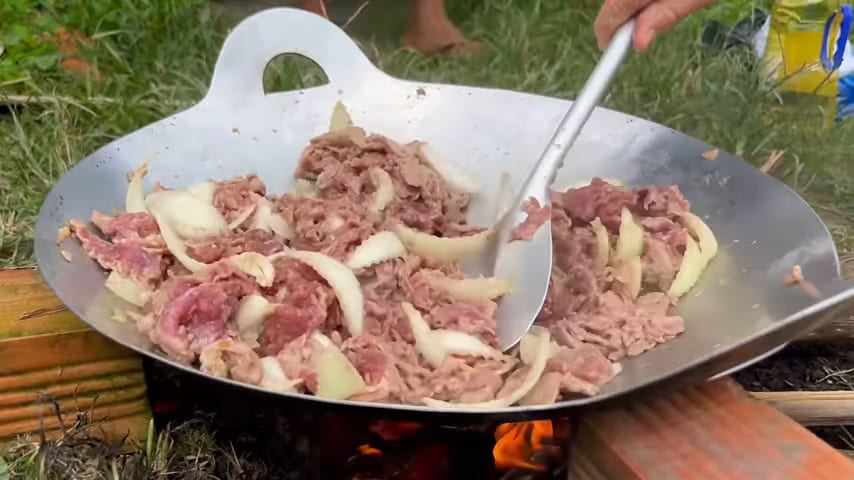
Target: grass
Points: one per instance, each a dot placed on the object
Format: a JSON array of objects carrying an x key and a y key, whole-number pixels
[{"x": 155, "y": 57}]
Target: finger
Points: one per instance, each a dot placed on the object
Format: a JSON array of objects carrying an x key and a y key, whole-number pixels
[
  {"x": 661, "y": 16},
  {"x": 613, "y": 15}
]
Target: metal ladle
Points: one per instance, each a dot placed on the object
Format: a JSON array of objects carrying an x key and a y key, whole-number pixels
[{"x": 529, "y": 263}]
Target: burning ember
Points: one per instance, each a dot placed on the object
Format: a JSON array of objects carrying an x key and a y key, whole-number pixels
[
  {"x": 517, "y": 443},
  {"x": 413, "y": 451}
]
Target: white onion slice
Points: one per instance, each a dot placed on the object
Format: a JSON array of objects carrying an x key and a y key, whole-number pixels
[
  {"x": 504, "y": 196},
  {"x": 444, "y": 249},
  {"x": 529, "y": 343},
  {"x": 175, "y": 245},
  {"x": 634, "y": 272},
  {"x": 242, "y": 217},
  {"x": 432, "y": 351},
  {"x": 337, "y": 378},
  {"x": 135, "y": 199},
  {"x": 204, "y": 190},
  {"x": 603, "y": 244},
  {"x": 250, "y": 315},
  {"x": 689, "y": 270},
  {"x": 344, "y": 283},
  {"x": 436, "y": 345},
  {"x": 267, "y": 220},
  {"x": 189, "y": 216},
  {"x": 470, "y": 289},
  {"x": 340, "y": 119},
  {"x": 126, "y": 289},
  {"x": 377, "y": 248},
  {"x": 256, "y": 266},
  {"x": 303, "y": 188},
  {"x": 456, "y": 178},
  {"x": 384, "y": 189},
  {"x": 273, "y": 378},
  {"x": 706, "y": 238},
  {"x": 612, "y": 181},
  {"x": 537, "y": 367},
  {"x": 630, "y": 241},
  {"x": 455, "y": 342}
]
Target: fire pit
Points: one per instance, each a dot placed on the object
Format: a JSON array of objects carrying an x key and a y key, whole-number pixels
[{"x": 714, "y": 431}]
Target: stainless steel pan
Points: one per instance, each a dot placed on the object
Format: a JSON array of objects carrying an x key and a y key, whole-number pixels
[{"x": 740, "y": 311}]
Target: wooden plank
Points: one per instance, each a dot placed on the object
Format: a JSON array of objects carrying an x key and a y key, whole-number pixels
[
  {"x": 714, "y": 431},
  {"x": 46, "y": 352},
  {"x": 28, "y": 307},
  {"x": 812, "y": 408}
]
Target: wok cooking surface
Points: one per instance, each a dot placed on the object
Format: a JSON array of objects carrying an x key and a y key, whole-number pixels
[{"x": 740, "y": 310}]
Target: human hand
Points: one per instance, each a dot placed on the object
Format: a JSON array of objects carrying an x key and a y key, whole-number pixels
[{"x": 653, "y": 17}]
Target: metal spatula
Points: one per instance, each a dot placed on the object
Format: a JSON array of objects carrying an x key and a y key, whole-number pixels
[{"x": 529, "y": 263}]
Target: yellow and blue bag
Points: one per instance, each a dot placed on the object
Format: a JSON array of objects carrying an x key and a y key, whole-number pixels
[{"x": 804, "y": 46}]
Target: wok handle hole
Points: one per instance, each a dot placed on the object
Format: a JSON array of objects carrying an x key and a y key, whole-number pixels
[{"x": 290, "y": 71}]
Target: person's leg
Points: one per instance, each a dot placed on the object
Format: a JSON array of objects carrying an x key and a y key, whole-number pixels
[
  {"x": 315, "y": 6},
  {"x": 432, "y": 31}
]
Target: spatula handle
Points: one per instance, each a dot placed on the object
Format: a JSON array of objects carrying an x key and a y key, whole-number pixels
[{"x": 591, "y": 94}]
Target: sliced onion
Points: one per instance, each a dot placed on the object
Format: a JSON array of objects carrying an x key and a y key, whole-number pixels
[
  {"x": 337, "y": 378},
  {"x": 135, "y": 199},
  {"x": 343, "y": 282},
  {"x": 436, "y": 345},
  {"x": 250, "y": 315},
  {"x": 634, "y": 272},
  {"x": 175, "y": 245},
  {"x": 242, "y": 217},
  {"x": 384, "y": 189},
  {"x": 613, "y": 181},
  {"x": 603, "y": 244},
  {"x": 444, "y": 249},
  {"x": 267, "y": 220},
  {"x": 455, "y": 177},
  {"x": 630, "y": 241},
  {"x": 273, "y": 378},
  {"x": 455, "y": 342},
  {"x": 537, "y": 367},
  {"x": 470, "y": 289},
  {"x": 189, "y": 216},
  {"x": 126, "y": 289},
  {"x": 340, "y": 118},
  {"x": 303, "y": 188},
  {"x": 204, "y": 190},
  {"x": 504, "y": 197},
  {"x": 689, "y": 270},
  {"x": 256, "y": 266},
  {"x": 708, "y": 243},
  {"x": 279, "y": 226},
  {"x": 529, "y": 343},
  {"x": 432, "y": 351},
  {"x": 379, "y": 247}
]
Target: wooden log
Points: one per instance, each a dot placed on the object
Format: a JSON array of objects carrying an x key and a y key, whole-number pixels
[
  {"x": 812, "y": 408},
  {"x": 715, "y": 431},
  {"x": 48, "y": 355}
]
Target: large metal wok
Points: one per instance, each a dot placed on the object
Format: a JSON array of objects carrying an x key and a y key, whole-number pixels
[{"x": 740, "y": 311}]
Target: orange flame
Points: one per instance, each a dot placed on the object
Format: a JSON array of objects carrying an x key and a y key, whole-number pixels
[
  {"x": 368, "y": 450},
  {"x": 516, "y": 443}
]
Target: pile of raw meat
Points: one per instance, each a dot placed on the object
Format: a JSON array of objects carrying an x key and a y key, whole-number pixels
[{"x": 348, "y": 286}]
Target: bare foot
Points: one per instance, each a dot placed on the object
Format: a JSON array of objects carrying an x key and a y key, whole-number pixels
[
  {"x": 315, "y": 6},
  {"x": 433, "y": 32}
]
